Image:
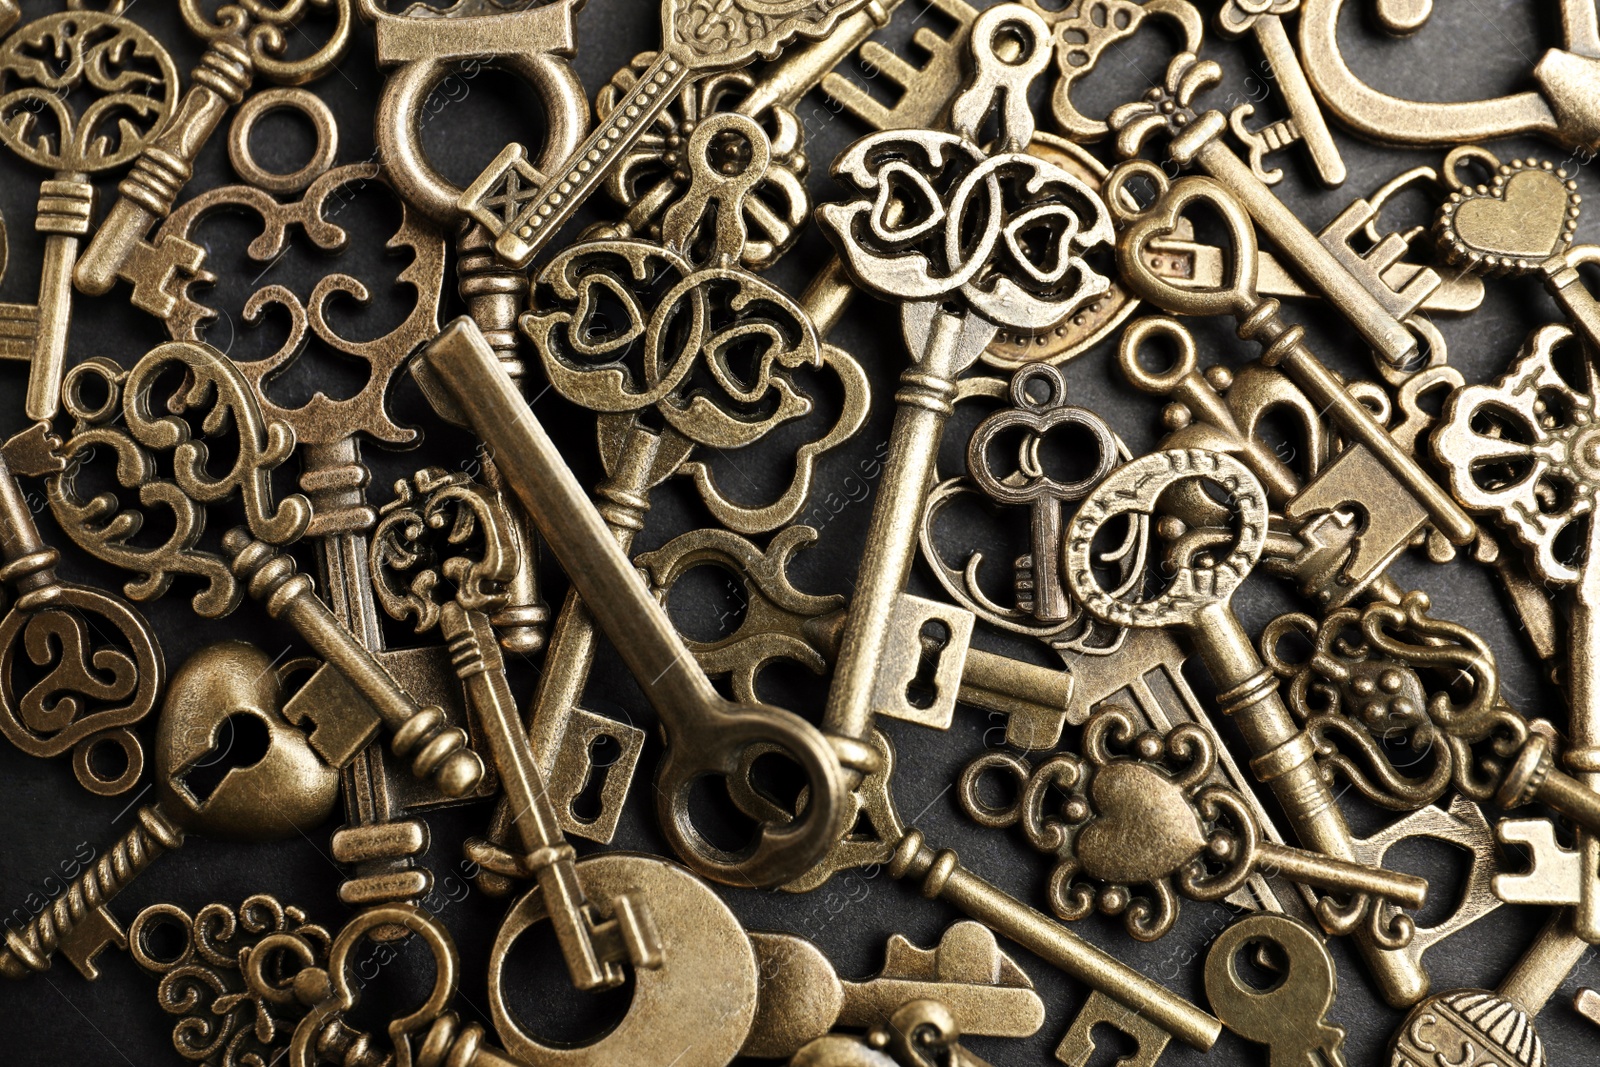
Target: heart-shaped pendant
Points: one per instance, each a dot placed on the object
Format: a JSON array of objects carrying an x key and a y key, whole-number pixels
[
  {"x": 1524, "y": 217},
  {"x": 1236, "y": 294}
]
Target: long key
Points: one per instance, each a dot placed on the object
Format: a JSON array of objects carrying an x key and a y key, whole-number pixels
[
  {"x": 1284, "y": 63},
  {"x": 1462, "y": 1024},
  {"x": 1351, "y": 282},
  {"x": 66, "y": 200},
  {"x": 288, "y": 792},
  {"x": 1196, "y": 601},
  {"x": 707, "y": 735},
  {"x": 524, "y": 210},
  {"x": 436, "y": 750},
  {"x": 1259, "y": 321},
  {"x": 803, "y": 997}
]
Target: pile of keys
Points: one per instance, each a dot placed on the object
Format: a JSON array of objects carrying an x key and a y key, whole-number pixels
[{"x": 352, "y": 583}]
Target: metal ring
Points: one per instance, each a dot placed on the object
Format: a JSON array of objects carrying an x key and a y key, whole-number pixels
[
  {"x": 133, "y": 754},
  {"x": 281, "y": 99}
]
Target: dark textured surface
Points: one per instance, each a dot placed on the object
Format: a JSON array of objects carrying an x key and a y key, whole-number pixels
[{"x": 1467, "y": 51}]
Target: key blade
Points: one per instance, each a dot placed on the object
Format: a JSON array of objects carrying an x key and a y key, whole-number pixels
[{"x": 925, "y": 91}]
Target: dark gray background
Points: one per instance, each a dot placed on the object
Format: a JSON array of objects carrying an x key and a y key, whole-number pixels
[{"x": 1468, "y": 51}]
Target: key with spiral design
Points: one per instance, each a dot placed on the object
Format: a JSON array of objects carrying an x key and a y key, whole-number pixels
[{"x": 288, "y": 791}]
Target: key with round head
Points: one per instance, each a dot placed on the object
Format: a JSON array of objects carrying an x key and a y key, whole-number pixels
[
  {"x": 524, "y": 209},
  {"x": 288, "y": 791},
  {"x": 1290, "y": 1018},
  {"x": 1206, "y": 568},
  {"x": 1143, "y": 811}
]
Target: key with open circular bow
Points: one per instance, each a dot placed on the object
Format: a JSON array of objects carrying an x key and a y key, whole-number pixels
[
  {"x": 1205, "y": 569},
  {"x": 1031, "y": 485}
]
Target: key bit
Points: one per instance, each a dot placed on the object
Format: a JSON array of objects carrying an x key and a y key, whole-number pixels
[
  {"x": 803, "y": 998},
  {"x": 1554, "y": 874}
]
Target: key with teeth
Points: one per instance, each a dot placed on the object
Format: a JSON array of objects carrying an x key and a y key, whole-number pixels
[{"x": 802, "y": 997}]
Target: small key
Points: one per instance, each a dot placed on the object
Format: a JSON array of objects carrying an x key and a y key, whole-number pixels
[
  {"x": 1030, "y": 485},
  {"x": 436, "y": 749},
  {"x": 1291, "y": 1017},
  {"x": 1259, "y": 321},
  {"x": 407, "y": 571},
  {"x": 1283, "y": 66},
  {"x": 1477, "y": 1026},
  {"x": 1350, "y": 282},
  {"x": 802, "y": 996},
  {"x": 1196, "y": 601},
  {"x": 288, "y": 791},
  {"x": 97, "y": 54},
  {"x": 1142, "y": 809},
  {"x": 707, "y": 735},
  {"x": 524, "y": 209},
  {"x": 238, "y": 49}
]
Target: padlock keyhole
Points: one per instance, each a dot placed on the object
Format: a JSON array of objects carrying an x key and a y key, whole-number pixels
[{"x": 240, "y": 741}]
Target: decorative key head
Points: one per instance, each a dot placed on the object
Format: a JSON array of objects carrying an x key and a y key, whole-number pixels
[
  {"x": 1140, "y": 809},
  {"x": 1083, "y": 33},
  {"x": 1527, "y": 449},
  {"x": 1035, "y": 417},
  {"x": 730, "y": 33},
  {"x": 1467, "y": 1026},
  {"x": 288, "y": 791},
  {"x": 45, "y": 63},
  {"x": 265, "y": 30},
  {"x": 1002, "y": 232},
  {"x": 1523, "y": 218}
]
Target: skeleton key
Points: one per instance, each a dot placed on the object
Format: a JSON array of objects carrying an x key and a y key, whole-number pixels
[
  {"x": 1030, "y": 485},
  {"x": 408, "y": 571},
  {"x": 1554, "y": 430},
  {"x": 1259, "y": 320},
  {"x": 1477, "y": 1026},
  {"x": 288, "y": 792},
  {"x": 1350, "y": 282},
  {"x": 1289, "y": 1018},
  {"x": 237, "y": 50},
  {"x": 50, "y": 614},
  {"x": 523, "y": 209},
  {"x": 1196, "y": 600},
  {"x": 894, "y": 262},
  {"x": 707, "y": 734},
  {"x": 1152, "y": 816},
  {"x": 802, "y": 996},
  {"x": 1266, "y": 23},
  {"x": 96, "y": 54}
]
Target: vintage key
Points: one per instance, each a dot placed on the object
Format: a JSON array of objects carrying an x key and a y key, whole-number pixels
[
  {"x": 1291, "y": 1017},
  {"x": 1237, "y": 19},
  {"x": 65, "y": 626},
  {"x": 288, "y": 791},
  {"x": 472, "y": 562},
  {"x": 1259, "y": 321},
  {"x": 802, "y": 996},
  {"x": 1352, "y": 282},
  {"x": 249, "y": 42},
  {"x": 119, "y": 69},
  {"x": 707, "y": 734},
  {"x": 1030, "y": 485},
  {"x": 1196, "y": 601},
  {"x": 1477, "y": 1026},
  {"x": 524, "y": 209},
  {"x": 893, "y": 261},
  {"x": 1142, "y": 809}
]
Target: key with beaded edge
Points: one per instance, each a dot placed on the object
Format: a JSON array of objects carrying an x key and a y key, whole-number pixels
[{"x": 524, "y": 209}]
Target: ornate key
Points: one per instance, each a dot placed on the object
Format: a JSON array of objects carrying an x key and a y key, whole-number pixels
[
  {"x": 1283, "y": 65},
  {"x": 1030, "y": 485},
  {"x": 1142, "y": 809},
  {"x": 1202, "y": 581},
  {"x": 802, "y": 996},
  {"x": 1291, "y": 1017},
  {"x": 524, "y": 209},
  {"x": 1352, "y": 282},
  {"x": 44, "y": 67},
  {"x": 1259, "y": 321},
  {"x": 1461, "y": 1024},
  {"x": 288, "y": 791},
  {"x": 901, "y": 260},
  {"x": 95, "y": 689},
  {"x": 707, "y": 734},
  {"x": 244, "y": 42},
  {"x": 446, "y": 534}
]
